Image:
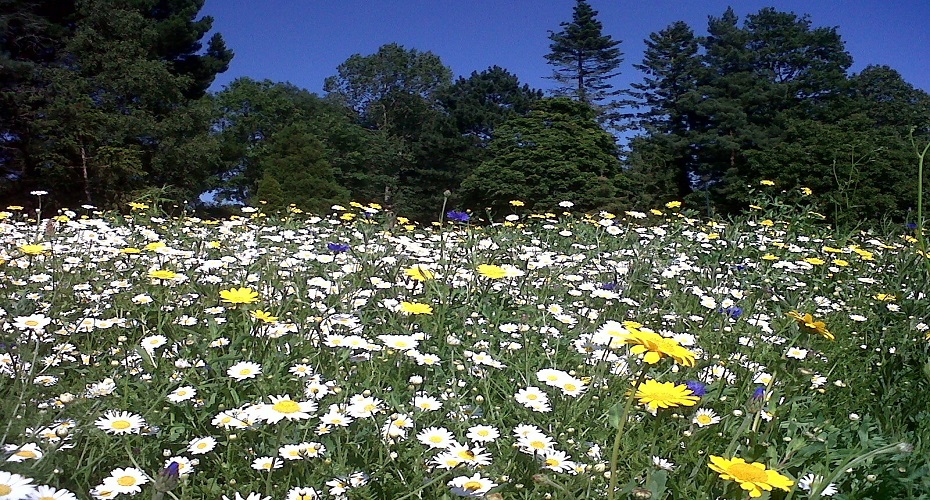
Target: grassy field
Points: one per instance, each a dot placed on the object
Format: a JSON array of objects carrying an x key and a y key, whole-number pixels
[{"x": 560, "y": 355}]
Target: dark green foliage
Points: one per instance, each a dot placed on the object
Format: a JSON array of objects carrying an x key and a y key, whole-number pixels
[
  {"x": 481, "y": 102},
  {"x": 378, "y": 87},
  {"x": 107, "y": 95},
  {"x": 250, "y": 114},
  {"x": 294, "y": 166},
  {"x": 585, "y": 59},
  {"x": 557, "y": 152}
]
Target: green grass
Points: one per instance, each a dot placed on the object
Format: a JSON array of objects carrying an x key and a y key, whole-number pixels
[{"x": 118, "y": 339}]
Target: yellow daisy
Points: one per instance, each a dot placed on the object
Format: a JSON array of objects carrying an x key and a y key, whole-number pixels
[
  {"x": 665, "y": 395},
  {"x": 752, "y": 477}
]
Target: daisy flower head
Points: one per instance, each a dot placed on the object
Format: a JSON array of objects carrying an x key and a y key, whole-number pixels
[
  {"x": 808, "y": 324},
  {"x": 415, "y": 308},
  {"x": 705, "y": 417},
  {"x": 199, "y": 446},
  {"x": 267, "y": 464},
  {"x": 283, "y": 407},
  {"x": 436, "y": 437},
  {"x": 654, "y": 347},
  {"x": 665, "y": 395},
  {"x": 244, "y": 369},
  {"x": 474, "y": 486},
  {"x": 491, "y": 271},
  {"x": 811, "y": 481},
  {"x": 752, "y": 477},
  {"x": 120, "y": 422},
  {"x": 299, "y": 493},
  {"x": 250, "y": 496},
  {"x": 49, "y": 493},
  {"x": 243, "y": 295},
  {"x": 15, "y": 487},
  {"x": 419, "y": 273},
  {"x": 125, "y": 481},
  {"x": 483, "y": 434}
]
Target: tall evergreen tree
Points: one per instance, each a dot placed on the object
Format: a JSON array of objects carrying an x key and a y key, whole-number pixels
[
  {"x": 584, "y": 58},
  {"x": 667, "y": 97}
]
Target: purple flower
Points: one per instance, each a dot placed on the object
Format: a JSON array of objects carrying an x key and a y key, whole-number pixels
[
  {"x": 337, "y": 247},
  {"x": 457, "y": 216},
  {"x": 698, "y": 388},
  {"x": 608, "y": 286},
  {"x": 760, "y": 391},
  {"x": 168, "y": 477},
  {"x": 733, "y": 311},
  {"x": 911, "y": 225}
]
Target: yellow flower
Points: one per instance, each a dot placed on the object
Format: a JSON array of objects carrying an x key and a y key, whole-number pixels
[
  {"x": 242, "y": 295},
  {"x": 264, "y": 316},
  {"x": 841, "y": 262},
  {"x": 33, "y": 249},
  {"x": 162, "y": 274},
  {"x": 767, "y": 182},
  {"x": 656, "y": 347},
  {"x": 155, "y": 245},
  {"x": 419, "y": 273},
  {"x": 807, "y": 191},
  {"x": 665, "y": 395},
  {"x": 884, "y": 297},
  {"x": 130, "y": 251},
  {"x": 138, "y": 206},
  {"x": 516, "y": 203},
  {"x": 416, "y": 308},
  {"x": 14, "y": 207},
  {"x": 767, "y": 223},
  {"x": 752, "y": 477},
  {"x": 769, "y": 256},
  {"x": 814, "y": 261},
  {"x": 492, "y": 271},
  {"x": 673, "y": 204},
  {"x": 806, "y": 323}
]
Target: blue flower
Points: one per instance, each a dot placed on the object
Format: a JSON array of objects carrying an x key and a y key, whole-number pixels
[
  {"x": 911, "y": 225},
  {"x": 608, "y": 286},
  {"x": 733, "y": 311},
  {"x": 337, "y": 247},
  {"x": 457, "y": 216},
  {"x": 698, "y": 388},
  {"x": 760, "y": 391}
]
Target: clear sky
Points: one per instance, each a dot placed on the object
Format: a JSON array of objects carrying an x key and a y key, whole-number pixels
[{"x": 303, "y": 41}]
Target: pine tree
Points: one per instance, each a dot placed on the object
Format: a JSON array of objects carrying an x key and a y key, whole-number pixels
[{"x": 585, "y": 59}]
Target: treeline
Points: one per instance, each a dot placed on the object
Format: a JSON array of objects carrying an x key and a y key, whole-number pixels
[{"x": 104, "y": 101}]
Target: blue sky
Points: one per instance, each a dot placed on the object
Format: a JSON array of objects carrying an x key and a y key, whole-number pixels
[{"x": 303, "y": 41}]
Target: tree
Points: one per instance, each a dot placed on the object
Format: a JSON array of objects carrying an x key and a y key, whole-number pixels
[
  {"x": 668, "y": 97},
  {"x": 557, "y": 152},
  {"x": 249, "y": 115},
  {"x": 377, "y": 87},
  {"x": 480, "y": 103},
  {"x": 585, "y": 59},
  {"x": 115, "y": 100},
  {"x": 295, "y": 170}
]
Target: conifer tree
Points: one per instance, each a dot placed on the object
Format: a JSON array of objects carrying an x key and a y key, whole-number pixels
[{"x": 584, "y": 58}]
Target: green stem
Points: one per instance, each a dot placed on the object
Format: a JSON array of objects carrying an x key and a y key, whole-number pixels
[
  {"x": 428, "y": 484},
  {"x": 853, "y": 462},
  {"x": 615, "y": 452},
  {"x": 920, "y": 205}
]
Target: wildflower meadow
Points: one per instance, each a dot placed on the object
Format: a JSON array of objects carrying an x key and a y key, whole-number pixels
[{"x": 355, "y": 354}]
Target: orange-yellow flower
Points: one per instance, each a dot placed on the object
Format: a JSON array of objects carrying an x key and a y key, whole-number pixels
[
  {"x": 808, "y": 324},
  {"x": 752, "y": 477},
  {"x": 654, "y": 347}
]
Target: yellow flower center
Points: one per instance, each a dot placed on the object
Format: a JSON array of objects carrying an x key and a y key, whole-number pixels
[
  {"x": 466, "y": 454},
  {"x": 551, "y": 462},
  {"x": 32, "y": 322},
  {"x": 570, "y": 387},
  {"x": 746, "y": 473},
  {"x": 121, "y": 424},
  {"x": 703, "y": 419},
  {"x": 126, "y": 481},
  {"x": 472, "y": 486},
  {"x": 435, "y": 439},
  {"x": 26, "y": 454},
  {"x": 539, "y": 445},
  {"x": 286, "y": 406},
  {"x": 5, "y": 489}
]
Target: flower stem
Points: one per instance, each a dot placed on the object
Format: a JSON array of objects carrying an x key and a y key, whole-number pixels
[{"x": 615, "y": 453}]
